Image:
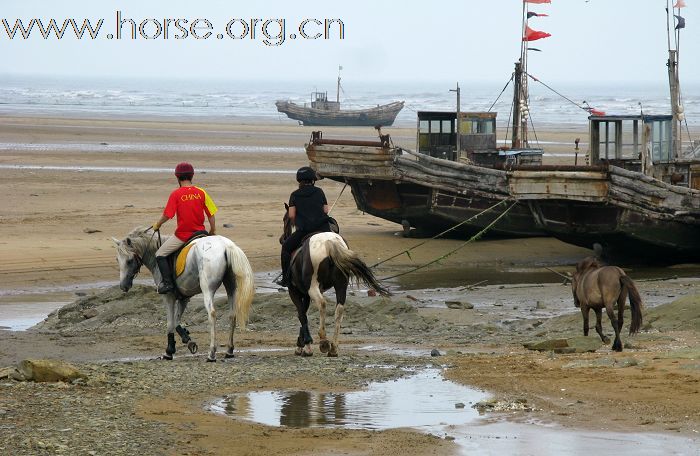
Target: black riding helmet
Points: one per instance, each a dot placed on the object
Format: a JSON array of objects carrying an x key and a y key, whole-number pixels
[{"x": 306, "y": 173}]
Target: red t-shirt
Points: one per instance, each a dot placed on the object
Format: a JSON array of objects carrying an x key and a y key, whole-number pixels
[{"x": 189, "y": 204}]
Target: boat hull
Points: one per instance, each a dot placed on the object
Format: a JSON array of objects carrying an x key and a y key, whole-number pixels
[
  {"x": 630, "y": 216},
  {"x": 425, "y": 193},
  {"x": 383, "y": 115}
]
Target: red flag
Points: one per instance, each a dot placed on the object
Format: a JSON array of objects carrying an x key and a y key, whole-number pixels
[
  {"x": 595, "y": 112},
  {"x": 679, "y": 4},
  {"x": 550, "y": 1},
  {"x": 532, "y": 35}
]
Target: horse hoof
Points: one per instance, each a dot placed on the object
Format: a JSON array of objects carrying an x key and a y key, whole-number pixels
[
  {"x": 606, "y": 340},
  {"x": 332, "y": 354},
  {"x": 166, "y": 357},
  {"x": 298, "y": 351},
  {"x": 209, "y": 360},
  {"x": 324, "y": 346},
  {"x": 192, "y": 347},
  {"x": 306, "y": 354},
  {"x": 229, "y": 355}
]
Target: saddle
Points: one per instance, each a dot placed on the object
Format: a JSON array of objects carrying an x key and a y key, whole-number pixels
[
  {"x": 334, "y": 229},
  {"x": 178, "y": 258}
]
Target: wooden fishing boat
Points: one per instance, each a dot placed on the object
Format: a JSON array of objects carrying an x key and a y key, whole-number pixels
[
  {"x": 639, "y": 197},
  {"x": 323, "y": 112},
  {"x": 453, "y": 176}
]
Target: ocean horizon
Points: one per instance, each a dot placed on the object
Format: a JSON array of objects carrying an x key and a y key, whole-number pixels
[{"x": 94, "y": 97}]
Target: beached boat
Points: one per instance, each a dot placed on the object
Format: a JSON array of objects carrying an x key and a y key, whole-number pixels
[
  {"x": 639, "y": 197},
  {"x": 424, "y": 190},
  {"x": 323, "y": 112},
  {"x": 451, "y": 178}
]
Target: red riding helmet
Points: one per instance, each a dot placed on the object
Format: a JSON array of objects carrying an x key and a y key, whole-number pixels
[{"x": 184, "y": 169}]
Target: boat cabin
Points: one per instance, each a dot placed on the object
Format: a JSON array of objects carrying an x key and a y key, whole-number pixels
[
  {"x": 643, "y": 144},
  {"x": 319, "y": 100},
  {"x": 437, "y": 137}
]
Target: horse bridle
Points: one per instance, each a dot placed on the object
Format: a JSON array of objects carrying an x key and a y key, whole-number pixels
[{"x": 137, "y": 257}]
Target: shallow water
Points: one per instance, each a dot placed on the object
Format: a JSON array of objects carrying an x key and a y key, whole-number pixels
[
  {"x": 138, "y": 169},
  {"x": 426, "y": 401},
  {"x": 380, "y": 406},
  {"x": 20, "y": 316},
  {"x": 525, "y": 274}
]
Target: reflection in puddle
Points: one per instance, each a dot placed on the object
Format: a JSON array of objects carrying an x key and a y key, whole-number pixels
[
  {"x": 427, "y": 402},
  {"x": 422, "y": 400}
]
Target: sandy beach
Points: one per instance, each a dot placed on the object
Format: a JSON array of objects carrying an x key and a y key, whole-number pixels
[{"x": 73, "y": 184}]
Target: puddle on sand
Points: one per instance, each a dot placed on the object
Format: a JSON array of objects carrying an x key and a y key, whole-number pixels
[
  {"x": 468, "y": 275},
  {"x": 19, "y": 316},
  {"x": 380, "y": 406},
  {"x": 425, "y": 401}
]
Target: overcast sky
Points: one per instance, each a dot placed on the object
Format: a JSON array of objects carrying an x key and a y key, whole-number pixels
[{"x": 593, "y": 41}]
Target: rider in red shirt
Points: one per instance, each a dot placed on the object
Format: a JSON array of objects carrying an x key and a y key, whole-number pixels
[{"x": 190, "y": 204}]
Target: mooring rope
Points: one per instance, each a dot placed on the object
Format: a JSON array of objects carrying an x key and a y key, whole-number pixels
[
  {"x": 336, "y": 200},
  {"x": 407, "y": 251},
  {"x": 468, "y": 241}
]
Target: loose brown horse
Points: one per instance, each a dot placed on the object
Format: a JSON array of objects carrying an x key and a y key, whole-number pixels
[{"x": 595, "y": 286}]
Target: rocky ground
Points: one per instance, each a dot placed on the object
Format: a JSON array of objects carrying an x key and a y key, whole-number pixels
[{"x": 127, "y": 401}]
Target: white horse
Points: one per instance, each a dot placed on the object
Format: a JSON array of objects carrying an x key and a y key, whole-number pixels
[{"x": 211, "y": 261}]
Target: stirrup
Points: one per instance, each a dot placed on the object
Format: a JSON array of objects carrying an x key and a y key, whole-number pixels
[{"x": 165, "y": 288}]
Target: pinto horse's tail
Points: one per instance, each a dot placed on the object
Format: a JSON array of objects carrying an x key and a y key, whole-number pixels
[
  {"x": 239, "y": 267},
  {"x": 352, "y": 266},
  {"x": 635, "y": 303}
]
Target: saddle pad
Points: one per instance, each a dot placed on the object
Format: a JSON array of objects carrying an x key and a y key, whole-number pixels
[{"x": 182, "y": 260}]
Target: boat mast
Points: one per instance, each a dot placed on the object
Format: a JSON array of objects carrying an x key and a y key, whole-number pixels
[
  {"x": 337, "y": 91},
  {"x": 520, "y": 91},
  {"x": 674, "y": 81}
]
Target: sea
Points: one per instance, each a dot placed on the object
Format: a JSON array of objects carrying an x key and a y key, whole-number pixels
[{"x": 255, "y": 100}]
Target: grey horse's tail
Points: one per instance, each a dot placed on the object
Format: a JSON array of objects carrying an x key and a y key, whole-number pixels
[
  {"x": 352, "y": 266},
  {"x": 635, "y": 303},
  {"x": 239, "y": 266}
]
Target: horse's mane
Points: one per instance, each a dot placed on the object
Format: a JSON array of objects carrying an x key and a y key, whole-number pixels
[
  {"x": 140, "y": 239},
  {"x": 588, "y": 263}
]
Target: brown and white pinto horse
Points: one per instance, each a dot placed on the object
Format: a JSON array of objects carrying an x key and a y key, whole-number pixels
[
  {"x": 322, "y": 262},
  {"x": 596, "y": 287}
]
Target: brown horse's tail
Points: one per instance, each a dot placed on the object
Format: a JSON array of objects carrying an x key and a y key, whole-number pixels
[
  {"x": 352, "y": 266},
  {"x": 635, "y": 303}
]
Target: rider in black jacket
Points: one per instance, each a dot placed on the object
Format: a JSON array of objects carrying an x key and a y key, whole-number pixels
[{"x": 308, "y": 212}]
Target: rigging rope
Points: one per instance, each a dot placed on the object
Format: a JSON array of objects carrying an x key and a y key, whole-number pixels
[
  {"x": 439, "y": 234},
  {"x": 504, "y": 89},
  {"x": 563, "y": 96},
  {"x": 468, "y": 241}
]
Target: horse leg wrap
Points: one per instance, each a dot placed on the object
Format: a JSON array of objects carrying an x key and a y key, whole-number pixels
[
  {"x": 170, "y": 350},
  {"x": 184, "y": 334},
  {"x": 306, "y": 334}
]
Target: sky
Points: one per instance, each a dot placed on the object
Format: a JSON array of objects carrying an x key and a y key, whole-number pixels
[{"x": 592, "y": 42}]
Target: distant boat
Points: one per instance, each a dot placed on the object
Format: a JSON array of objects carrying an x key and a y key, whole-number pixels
[{"x": 323, "y": 112}]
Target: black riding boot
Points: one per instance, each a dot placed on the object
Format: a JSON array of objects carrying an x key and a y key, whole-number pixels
[
  {"x": 166, "y": 274},
  {"x": 286, "y": 259}
]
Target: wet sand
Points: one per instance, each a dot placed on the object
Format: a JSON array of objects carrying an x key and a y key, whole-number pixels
[{"x": 55, "y": 241}]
